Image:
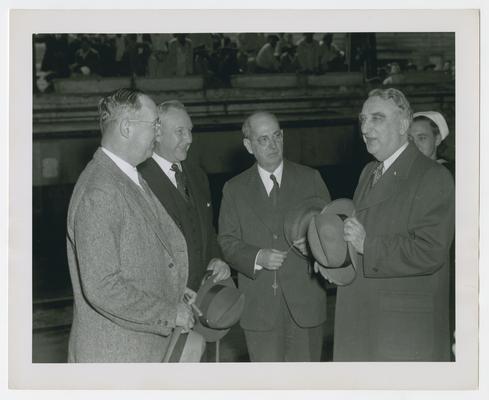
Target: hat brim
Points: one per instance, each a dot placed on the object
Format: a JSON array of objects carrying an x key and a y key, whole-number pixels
[
  {"x": 297, "y": 220},
  {"x": 339, "y": 276},
  {"x": 210, "y": 334}
]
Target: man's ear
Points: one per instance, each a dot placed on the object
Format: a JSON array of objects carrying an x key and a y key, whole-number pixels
[
  {"x": 124, "y": 128},
  {"x": 247, "y": 144},
  {"x": 404, "y": 126}
]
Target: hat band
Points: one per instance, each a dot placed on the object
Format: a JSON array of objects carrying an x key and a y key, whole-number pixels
[{"x": 206, "y": 301}]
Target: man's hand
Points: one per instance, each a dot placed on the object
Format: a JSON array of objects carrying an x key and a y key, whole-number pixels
[
  {"x": 271, "y": 259},
  {"x": 220, "y": 269},
  {"x": 189, "y": 296},
  {"x": 300, "y": 244},
  {"x": 354, "y": 232},
  {"x": 185, "y": 317}
]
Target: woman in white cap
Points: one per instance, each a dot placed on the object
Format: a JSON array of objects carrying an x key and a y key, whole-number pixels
[{"x": 427, "y": 131}]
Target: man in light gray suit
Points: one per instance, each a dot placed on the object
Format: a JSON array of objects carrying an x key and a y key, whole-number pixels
[{"x": 127, "y": 258}]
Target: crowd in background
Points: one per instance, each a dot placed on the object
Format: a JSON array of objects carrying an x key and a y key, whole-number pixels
[
  {"x": 215, "y": 56},
  {"x": 212, "y": 55}
]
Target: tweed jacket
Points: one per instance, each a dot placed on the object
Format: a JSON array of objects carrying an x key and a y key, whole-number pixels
[
  {"x": 247, "y": 223},
  {"x": 397, "y": 307},
  {"x": 128, "y": 266}
]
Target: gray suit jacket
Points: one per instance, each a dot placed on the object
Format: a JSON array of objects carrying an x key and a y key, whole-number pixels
[{"x": 128, "y": 265}]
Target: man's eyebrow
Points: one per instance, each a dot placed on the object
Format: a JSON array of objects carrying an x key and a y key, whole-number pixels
[{"x": 378, "y": 114}]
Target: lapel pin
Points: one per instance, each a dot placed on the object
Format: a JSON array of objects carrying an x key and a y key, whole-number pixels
[{"x": 208, "y": 204}]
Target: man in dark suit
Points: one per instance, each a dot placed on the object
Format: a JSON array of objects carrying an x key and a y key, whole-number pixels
[
  {"x": 183, "y": 189},
  {"x": 127, "y": 258},
  {"x": 397, "y": 307},
  {"x": 285, "y": 305}
]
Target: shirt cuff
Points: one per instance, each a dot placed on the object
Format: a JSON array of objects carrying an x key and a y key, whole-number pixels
[{"x": 257, "y": 267}]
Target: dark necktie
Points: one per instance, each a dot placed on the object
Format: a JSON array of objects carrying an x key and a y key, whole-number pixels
[
  {"x": 181, "y": 184},
  {"x": 274, "y": 191},
  {"x": 377, "y": 173}
]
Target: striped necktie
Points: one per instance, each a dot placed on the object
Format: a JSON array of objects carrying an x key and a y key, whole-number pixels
[
  {"x": 181, "y": 184},
  {"x": 274, "y": 191},
  {"x": 377, "y": 173}
]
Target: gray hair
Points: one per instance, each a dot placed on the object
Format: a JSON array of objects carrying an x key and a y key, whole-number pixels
[
  {"x": 164, "y": 107},
  {"x": 118, "y": 103},
  {"x": 397, "y": 97},
  {"x": 246, "y": 128}
]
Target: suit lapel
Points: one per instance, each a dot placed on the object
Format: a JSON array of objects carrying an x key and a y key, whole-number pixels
[
  {"x": 134, "y": 195},
  {"x": 390, "y": 183},
  {"x": 161, "y": 186},
  {"x": 258, "y": 200},
  {"x": 197, "y": 199}
]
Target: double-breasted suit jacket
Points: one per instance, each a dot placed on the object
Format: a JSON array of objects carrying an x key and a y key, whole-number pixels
[
  {"x": 128, "y": 266},
  {"x": 195, "y": 218},
  {"x": 397, "y": 307},
  {"x": 248, "y": 222}
]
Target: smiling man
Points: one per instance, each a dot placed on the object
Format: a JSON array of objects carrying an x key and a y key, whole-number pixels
[
  {"x": 183, "y": 189},
  {"x": 285, "y": 304},
  {"x": 397, "y": 307}
]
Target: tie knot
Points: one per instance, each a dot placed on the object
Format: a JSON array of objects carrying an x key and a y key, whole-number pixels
[
  {"x": 274, "y": 179},
  {"x": 174, "y": 168}
]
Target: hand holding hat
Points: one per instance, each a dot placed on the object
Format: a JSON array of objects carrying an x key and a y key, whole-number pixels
[{"x": 354, "y": 232}]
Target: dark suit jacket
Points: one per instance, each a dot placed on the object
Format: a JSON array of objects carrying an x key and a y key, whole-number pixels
[
  {"x": 397, "y": 307},
  {"x": 247, "y": 223},
  {"x": 128, "y": 266},
  {"x": 168, "y": 195}
]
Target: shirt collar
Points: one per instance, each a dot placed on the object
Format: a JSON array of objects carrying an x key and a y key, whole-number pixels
[
  {"x": 393, "y": 157},
  {"x": 164, "y": 164},
  {"x": 265, "y": 176},
  {"x": 124, "y": 166}
]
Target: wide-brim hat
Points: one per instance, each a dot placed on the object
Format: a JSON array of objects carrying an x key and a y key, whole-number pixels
[
  {"x": 337, "y": 260},
  {"x": 297, "y": 219},
  {"x": 221, "y": 304},
  {"x": 438, "y": 119}
]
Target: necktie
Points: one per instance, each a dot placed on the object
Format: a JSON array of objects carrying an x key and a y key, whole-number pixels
[
  {"x": 274, "y": 191},
  {"x": 181, "y": 184},
  {"x": 377, "y": 173}
]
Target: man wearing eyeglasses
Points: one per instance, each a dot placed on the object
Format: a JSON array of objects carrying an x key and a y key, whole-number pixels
[
  {"x": 285, "y": 304},
  {"x": 183, "y": 189},
  {"x": 127, "y": 258}
]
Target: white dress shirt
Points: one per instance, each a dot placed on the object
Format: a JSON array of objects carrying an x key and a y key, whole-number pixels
[
  {"x": 392, "y": 158},
  {"x": 124, "y": 166},
  {"x": 265, "y": 177},
  {"x": 165, "y": 166}
]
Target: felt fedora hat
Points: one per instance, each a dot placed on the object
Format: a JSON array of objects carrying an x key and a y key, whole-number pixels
[
  {"x": 221, "y": 305},
  {"x": 336, "y": 259},
  {"x": 297, "y": 219}
]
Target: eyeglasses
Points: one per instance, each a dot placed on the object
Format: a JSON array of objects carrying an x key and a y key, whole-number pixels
[
  {"x": 276, "y": 136},
  {"x": 156, "y": 123}
]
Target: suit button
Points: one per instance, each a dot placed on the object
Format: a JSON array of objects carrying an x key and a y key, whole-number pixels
[
  {"x": 171, "y": 265},
  {"x": 375, "y": 269},
  {"x": 275, "y": 236}
]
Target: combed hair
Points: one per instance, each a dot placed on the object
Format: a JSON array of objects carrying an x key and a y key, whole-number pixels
[
  {"x": 164, "y": 107},
  {"x": 397, "y": 97},
  {"x": 111, "y": 107},
  {"x": 246, "y": 127}
]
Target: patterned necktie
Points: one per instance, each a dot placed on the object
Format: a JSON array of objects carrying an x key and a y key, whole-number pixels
[
  {"x": 181, "y": 184},
  {"x": 377, "y": 173},
  {"x": 147, "y": 194},
  {"x": 274, "y": 191}
]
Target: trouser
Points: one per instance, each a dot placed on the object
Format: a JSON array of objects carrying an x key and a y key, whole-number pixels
[{"x": 286, "y": 341}]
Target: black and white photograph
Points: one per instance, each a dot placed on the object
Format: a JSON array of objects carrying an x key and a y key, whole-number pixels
[{"x": 245, "y": 199}]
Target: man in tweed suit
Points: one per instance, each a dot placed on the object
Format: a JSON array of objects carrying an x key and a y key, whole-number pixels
[
  {"x": 127, "y": 258},
  {"x": 285, "y": 305}
]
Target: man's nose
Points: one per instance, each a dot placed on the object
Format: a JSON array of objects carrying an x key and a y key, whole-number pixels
[{"x": 366, "y": 127}]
